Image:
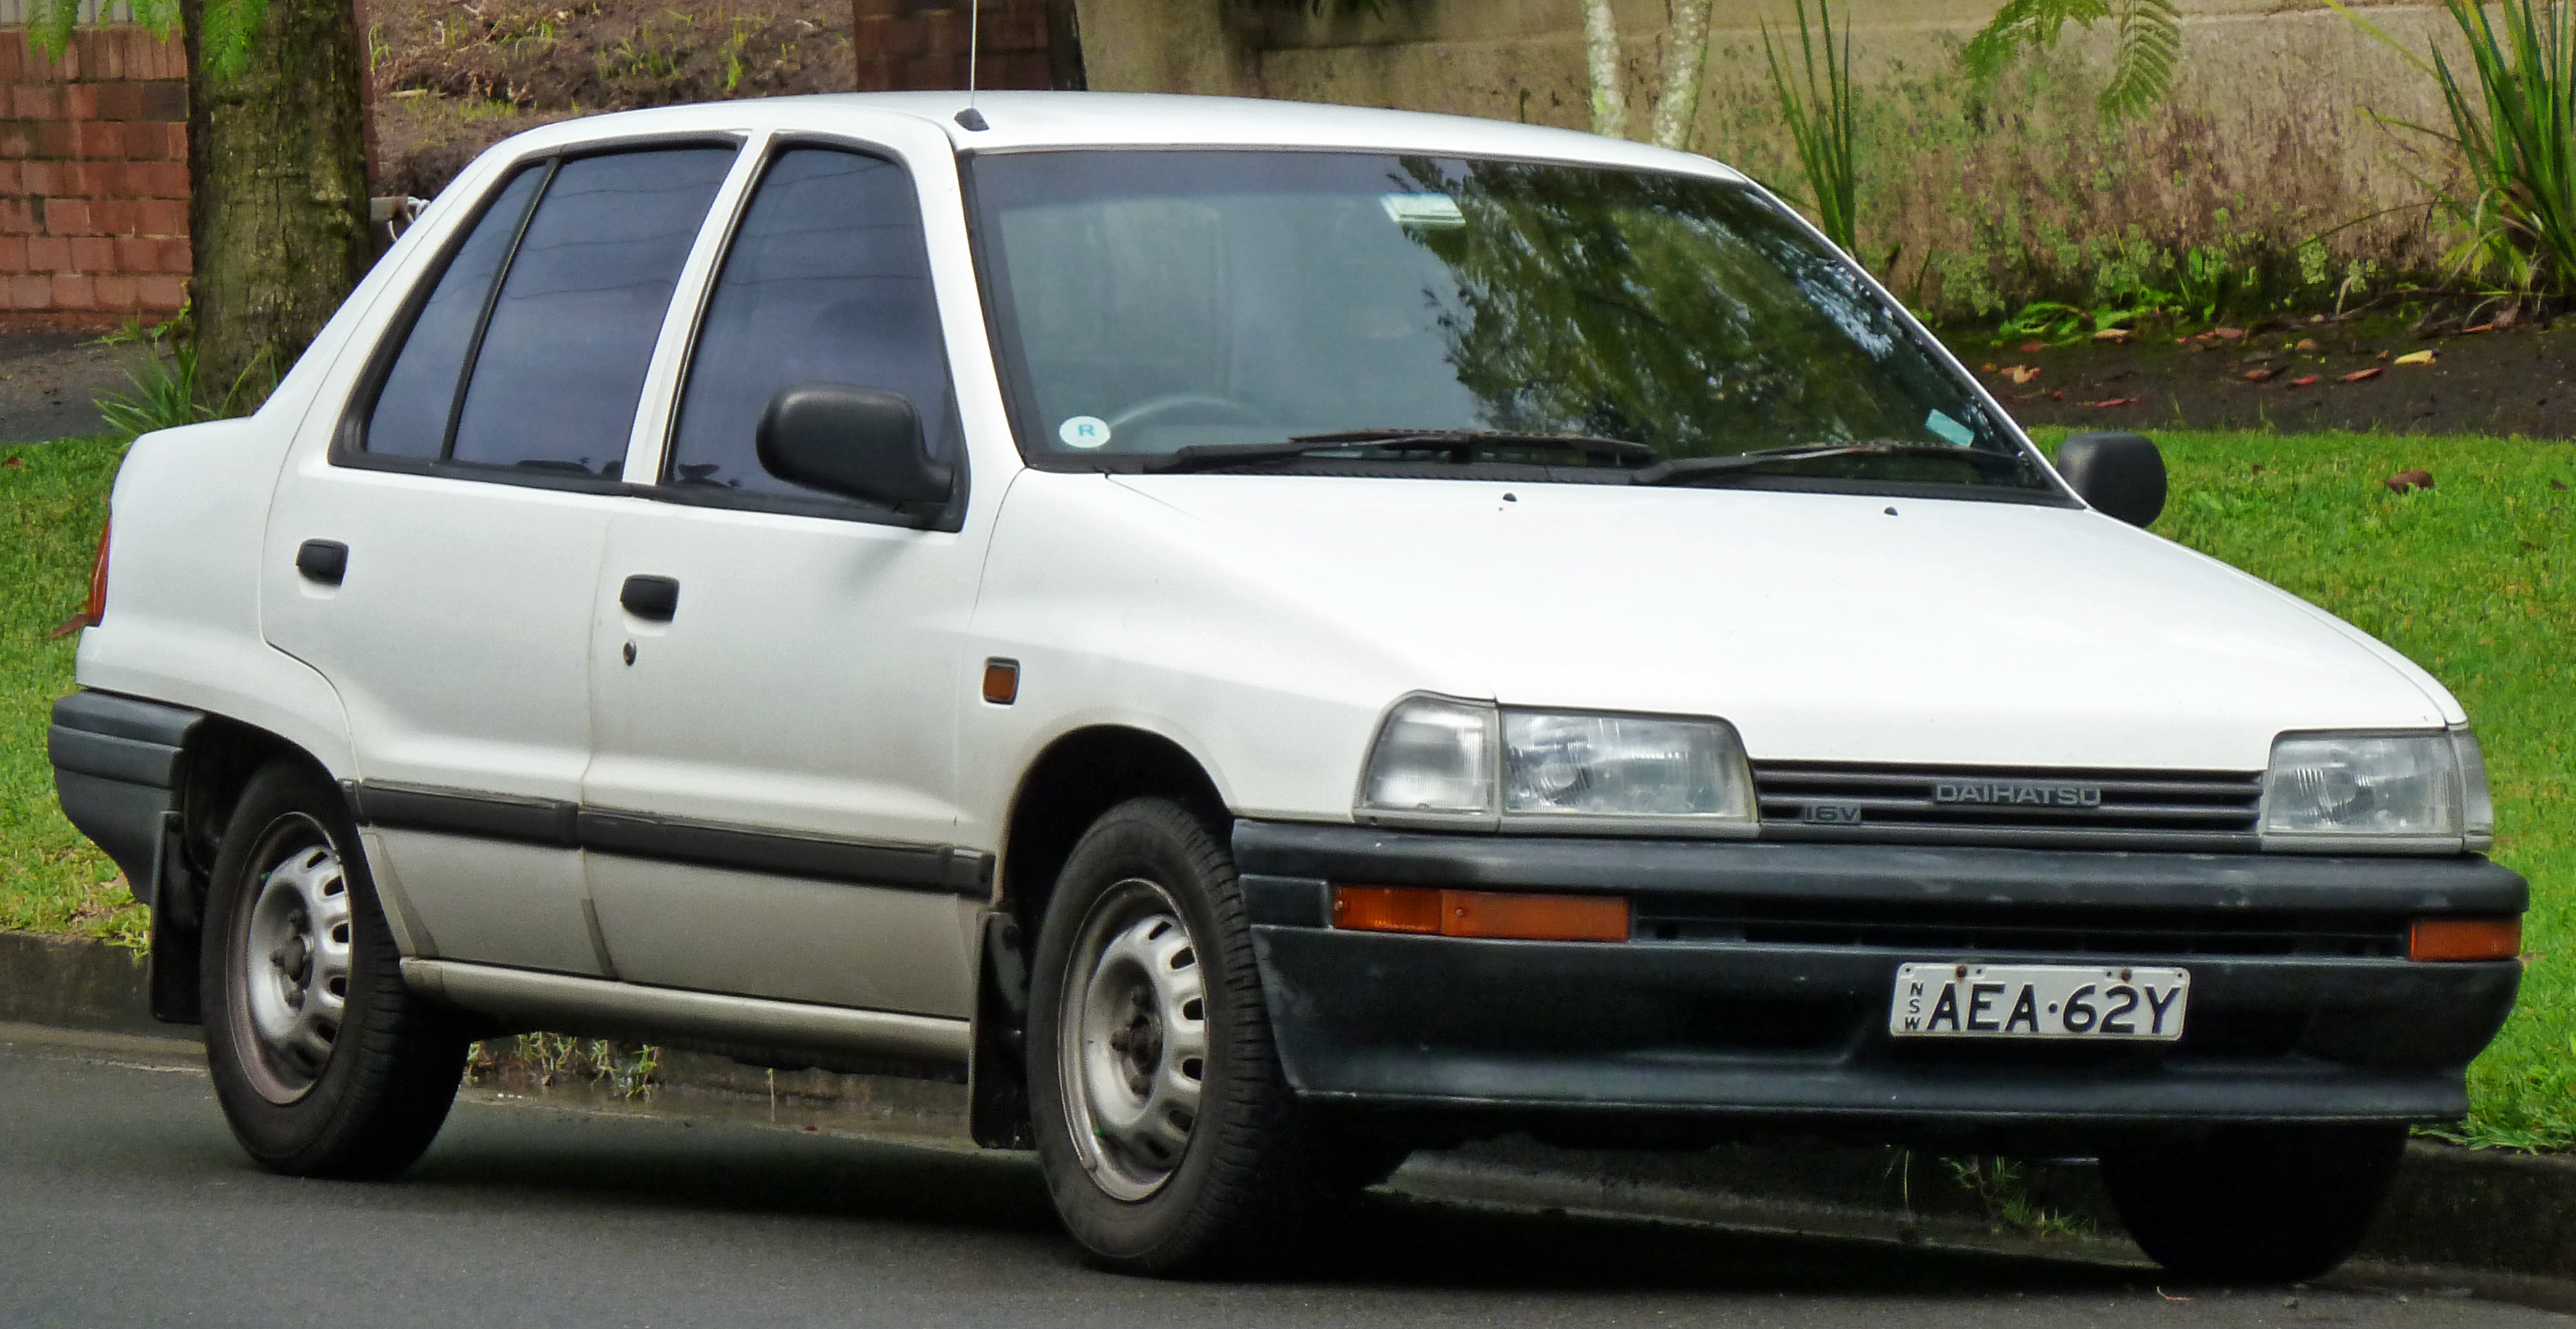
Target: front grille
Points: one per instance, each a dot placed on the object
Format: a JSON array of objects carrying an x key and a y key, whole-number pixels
[
  {"x": 1970, "y": 931},
  {"x": 2040, "y": 807}
]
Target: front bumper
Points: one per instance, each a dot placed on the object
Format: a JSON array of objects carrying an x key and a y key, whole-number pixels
[{"x": 1786, "y": 1017}]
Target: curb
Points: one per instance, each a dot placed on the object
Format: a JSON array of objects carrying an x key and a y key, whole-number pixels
[{"x": 2502, "y": 1225}]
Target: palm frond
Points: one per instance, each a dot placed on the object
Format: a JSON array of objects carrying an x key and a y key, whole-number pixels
[{"x": 2142, "y": 67}]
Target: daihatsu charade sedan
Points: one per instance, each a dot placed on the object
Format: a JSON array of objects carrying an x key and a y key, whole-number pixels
[{"x": 1263, "y": 637}]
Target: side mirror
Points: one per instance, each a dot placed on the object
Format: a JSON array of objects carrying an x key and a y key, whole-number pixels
[
  {"x": 861, "y": 443},
  {"x": 2122, "y": 474}
]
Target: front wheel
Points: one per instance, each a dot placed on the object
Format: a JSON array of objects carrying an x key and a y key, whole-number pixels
[
  {"x": 1170, "y": 1140},
  {"x": 326, "y": 1065},
  {"x": 2254, "y": 1204}
]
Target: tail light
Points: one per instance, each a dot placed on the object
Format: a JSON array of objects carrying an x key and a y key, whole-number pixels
[{"x": 96, "y": 608}]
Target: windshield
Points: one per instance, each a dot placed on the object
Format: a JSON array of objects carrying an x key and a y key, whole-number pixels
[{"x": 1151, "y": 302}]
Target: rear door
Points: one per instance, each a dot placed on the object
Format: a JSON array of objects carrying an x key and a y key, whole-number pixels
[
  {"x": 770, "y": 805},
  {"x": 436, "y": 561}
]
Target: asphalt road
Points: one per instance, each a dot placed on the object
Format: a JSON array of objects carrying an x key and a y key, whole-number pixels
[{"x": 124, "y": 1203}]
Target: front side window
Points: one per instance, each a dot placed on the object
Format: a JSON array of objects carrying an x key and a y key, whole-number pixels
[
  {"x": 827, "y": 281},
  {"x": 1182, "y": 310},
  {"x": 530, "y": 352}
]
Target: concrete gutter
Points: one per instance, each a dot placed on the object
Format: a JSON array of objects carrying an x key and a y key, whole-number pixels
[{"x": 2501, "y": 1225}]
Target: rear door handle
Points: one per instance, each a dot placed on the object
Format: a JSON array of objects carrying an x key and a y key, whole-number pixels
[
  {"x": 656, "y": 598},
  {"x": 325, "y": 561}
]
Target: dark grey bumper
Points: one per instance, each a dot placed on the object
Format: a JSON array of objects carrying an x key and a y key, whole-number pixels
[
  {"x": 116, "y": 770},
  {"x": 1776, "y": 1029}
]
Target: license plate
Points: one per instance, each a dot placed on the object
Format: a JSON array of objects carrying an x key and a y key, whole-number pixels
[{"x": 2038, "y": 1001}]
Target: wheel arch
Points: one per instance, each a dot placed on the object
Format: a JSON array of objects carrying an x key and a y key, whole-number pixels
[{"x": 1078, "y": 776}]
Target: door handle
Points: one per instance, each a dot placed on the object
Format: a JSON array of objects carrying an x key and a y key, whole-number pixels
[
  {"x": 325, "y": 561},
  {"x": 656, "y": 598}
]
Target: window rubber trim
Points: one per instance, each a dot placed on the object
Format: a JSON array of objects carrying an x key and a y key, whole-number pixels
[
  {"x": 950, "y": 517},
  {"x": 348, "y": 441}
]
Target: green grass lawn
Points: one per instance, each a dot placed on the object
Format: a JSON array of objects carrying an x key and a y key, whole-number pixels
[
  {"x": 52, "y": 498},
  {"x": 2472, "y": 578}
]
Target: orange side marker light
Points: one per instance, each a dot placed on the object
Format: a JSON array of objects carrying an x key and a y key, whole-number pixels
[{"x": 2464, "y": 939}]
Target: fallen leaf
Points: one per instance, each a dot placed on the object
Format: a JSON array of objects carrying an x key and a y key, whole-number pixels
[
  {"x": 70, "y": 625},
  {"x": 2483, "y": 327},
  {"x": 2115, "y": 401},
  {"x": 2021, "y": 373},
  {"x": 2057, "y": 396},
  {"x": 2182, "y": 341},
  {"x": 2527, "y": 544},
  {"x": 14, "y": 462},
  {"x": 2558, "y": 484},
  {"x": 2316, "y": 318},
  {"x": 2258, "y": 468},
  {"x": 2304, "y": 381},
  {"x": 2406, "y": 481},
  {"x": 2203, "y": 337},
  {"x": 2030, "y": 346},
  {"x": 2112, "y": 334},
  {"x": 2381, "y": 356},
  {"x": 2259, "y": 375},
  {"x": 2228, "y": 334},
  {"x": 1990, "y": 369},
  {"x": 2414, "y": 358},
  {"x": 2358, "y": 375},
  {"x": 2306, "y": 344}
]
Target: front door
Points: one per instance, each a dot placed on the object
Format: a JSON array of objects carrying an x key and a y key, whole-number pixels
[
  {"x": 436, "y": 562},
  {"x": 777, "y": 672}
]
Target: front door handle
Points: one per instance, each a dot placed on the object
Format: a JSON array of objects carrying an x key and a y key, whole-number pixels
[
  {"x": 325, "y": 561},
  {"x": 656, "y": 598}
]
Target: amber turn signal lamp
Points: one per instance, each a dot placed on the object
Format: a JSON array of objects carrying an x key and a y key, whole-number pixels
[
  {"x": 1509, "y": 915},
  {"x": 2464, "y": 939},
  {"x": 1001, "y": 681}
]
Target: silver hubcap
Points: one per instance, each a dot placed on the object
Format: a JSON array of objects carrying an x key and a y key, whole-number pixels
[
  {"x": 1133, "y": 1040},
  {"x": 294, "y": 965}
]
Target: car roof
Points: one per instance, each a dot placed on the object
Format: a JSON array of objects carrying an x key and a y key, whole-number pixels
[{"x": 1025, "y": 121}]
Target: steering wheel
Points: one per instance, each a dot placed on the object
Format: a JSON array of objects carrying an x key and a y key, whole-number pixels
[{"x": 1172, "y": 402}]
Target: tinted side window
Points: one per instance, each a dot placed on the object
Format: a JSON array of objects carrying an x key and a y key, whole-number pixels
[
  {"x": 410, "y": 415},
  {"x": 554, "y": 384},
  {"x": 827, "y": 281}
]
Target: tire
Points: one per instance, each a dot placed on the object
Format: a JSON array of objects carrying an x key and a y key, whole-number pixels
[
  {"x": 1144, "y": 966},
  {"x": 2254, "y": 1204},
  {"x": 326, "y": 1065}
]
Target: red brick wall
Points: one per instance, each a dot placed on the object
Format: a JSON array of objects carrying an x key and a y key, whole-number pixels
[
  {"x": 916, "y": 45},
  {"x": 93, "y": 178}
]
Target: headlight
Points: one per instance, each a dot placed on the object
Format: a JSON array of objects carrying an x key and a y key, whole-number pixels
[
  {"x": 2423, "y": 791},
  {"x": 1443, "y": 762}
]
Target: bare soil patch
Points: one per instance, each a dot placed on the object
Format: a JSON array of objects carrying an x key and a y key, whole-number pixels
[
  {"x": 454, "y": 77},
  {"x": 2300, "y": 375}
]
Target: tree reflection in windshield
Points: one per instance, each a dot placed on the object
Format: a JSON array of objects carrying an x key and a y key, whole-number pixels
[{"x": 1152, "y": 301}]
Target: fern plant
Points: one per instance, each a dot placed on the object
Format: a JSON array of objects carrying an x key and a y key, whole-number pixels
[
  {"x": 2149, "y": 45},
  {"x": 50, "y": 22}
]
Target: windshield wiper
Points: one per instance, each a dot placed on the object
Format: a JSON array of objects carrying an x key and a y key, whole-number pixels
[
  {"x": 1704, "y": 470},
  {"x": 1462, "y": 444}
]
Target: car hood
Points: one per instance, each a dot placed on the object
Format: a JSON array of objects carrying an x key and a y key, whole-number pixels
[{"x": 1828, "y": 627}]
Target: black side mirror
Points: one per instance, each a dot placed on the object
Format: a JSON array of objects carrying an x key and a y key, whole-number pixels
[
  {"x": 2122, "y": 474},
  {"x": 861, "y": 443}
]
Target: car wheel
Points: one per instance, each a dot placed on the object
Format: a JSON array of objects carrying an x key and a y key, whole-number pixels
[
  {"x": 2254, "y": 1204},
  {"x": 1170, "y": 1140},
  {"x": 326, "y": 1065}
]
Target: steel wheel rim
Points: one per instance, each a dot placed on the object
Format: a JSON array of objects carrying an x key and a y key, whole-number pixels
[
  {"x": 1131, "y": 1040},
  {"x": 290, "y": 959}
]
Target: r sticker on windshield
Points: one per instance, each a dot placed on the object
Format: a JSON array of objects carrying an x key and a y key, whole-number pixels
[
  {"x": 1083, "y": 431},
  {"x": 1960, "y": 435},
  {"x": 1427, "y": 212}
]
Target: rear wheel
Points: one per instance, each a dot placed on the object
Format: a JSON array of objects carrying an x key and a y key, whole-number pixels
[
  {"x": 326, "y": 1065},
  {"x": 1170, "y": 1140},
  {"x": 2254, "y": 1204}
]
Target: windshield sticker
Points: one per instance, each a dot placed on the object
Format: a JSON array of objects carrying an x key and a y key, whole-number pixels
[
  {"x": 1428, "y": 212},
  {"x": 1083, "y": 431},
  {"x": 1960, "y": 435}
]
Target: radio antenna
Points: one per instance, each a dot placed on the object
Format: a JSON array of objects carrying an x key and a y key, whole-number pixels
[{"x": 974, "y": 34}]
